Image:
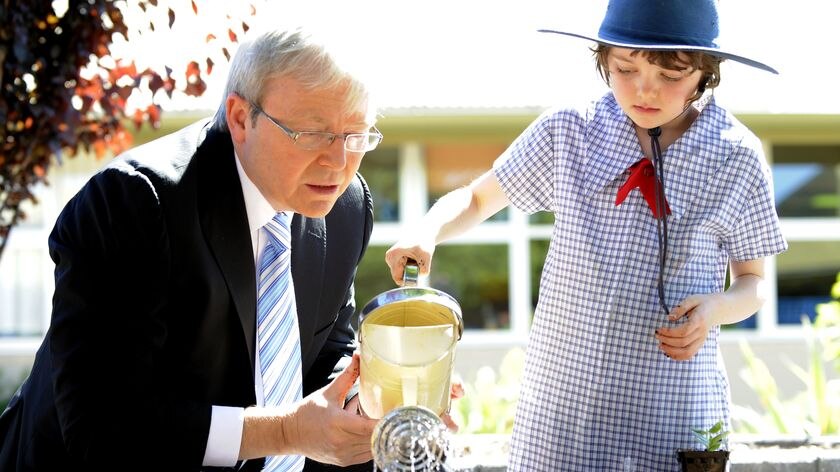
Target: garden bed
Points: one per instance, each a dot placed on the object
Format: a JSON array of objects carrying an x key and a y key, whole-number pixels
[{"x": 488, "y": 453}]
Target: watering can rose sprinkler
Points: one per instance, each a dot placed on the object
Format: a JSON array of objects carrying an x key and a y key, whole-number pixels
[{"x": 407, "y": 339}]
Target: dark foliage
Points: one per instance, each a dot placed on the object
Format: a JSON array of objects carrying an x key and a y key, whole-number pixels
[{"x": 49, "y": 110}]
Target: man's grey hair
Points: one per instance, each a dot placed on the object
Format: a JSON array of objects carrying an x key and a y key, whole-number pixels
[{"x": 285, "y": 53}]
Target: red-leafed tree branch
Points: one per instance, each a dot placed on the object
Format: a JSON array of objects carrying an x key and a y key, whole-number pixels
[{"x": 63, "y": 91}]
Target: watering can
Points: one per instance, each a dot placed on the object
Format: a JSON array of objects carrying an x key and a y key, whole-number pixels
[{"x": 407, "y": 339}]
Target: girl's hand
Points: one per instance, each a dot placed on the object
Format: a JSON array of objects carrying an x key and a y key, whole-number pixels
[
  {"x": 682, "y": 342},
  {"x": 397, "y": 256}
]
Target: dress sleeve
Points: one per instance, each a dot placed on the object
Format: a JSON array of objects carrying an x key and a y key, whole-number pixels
[
  {"x": 757, "y": 232},
  {"x": 526, "y": 169}
]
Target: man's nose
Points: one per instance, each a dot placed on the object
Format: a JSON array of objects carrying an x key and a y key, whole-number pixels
[{"x": 334, "y": 155}]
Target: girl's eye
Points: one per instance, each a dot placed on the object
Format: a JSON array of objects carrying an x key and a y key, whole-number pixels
[
  {"x": 622, "y": 71},
  {"x": 672, "y": 75}
]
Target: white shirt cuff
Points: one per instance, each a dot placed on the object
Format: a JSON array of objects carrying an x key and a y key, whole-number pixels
[{"x": 225, "y": 436}]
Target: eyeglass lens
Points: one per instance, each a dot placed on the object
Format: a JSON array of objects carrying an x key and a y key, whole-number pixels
[{"x": 352, "y": 142}]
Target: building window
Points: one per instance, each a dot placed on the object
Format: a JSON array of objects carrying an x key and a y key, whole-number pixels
[
  {"x": 805, "y": 274},
  {"x": 372, "y": 277},
  {"x": 23, "y": 297},
  {"x": 539, "y": 250},
  {"x": 807, "y": 190},
  {"x": 476, "y": 275},
  {"x": 453, "y": 165},
  {"x": 26, "y": 272},
  {"x": 807, "y": 181},
  {"x": 380, "y": 168}
]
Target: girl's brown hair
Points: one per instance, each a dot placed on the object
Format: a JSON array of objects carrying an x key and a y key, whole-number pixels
[{"x": 675, "y": 60}]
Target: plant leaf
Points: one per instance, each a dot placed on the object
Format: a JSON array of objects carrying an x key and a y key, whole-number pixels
[{"x": 701, "y": 437}]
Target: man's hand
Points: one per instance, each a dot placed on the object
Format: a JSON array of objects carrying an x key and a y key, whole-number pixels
[
  {"x": 456, "y": 391},
  {"x": 317, "y": 427},
  {"x": 323, "y": 430}
]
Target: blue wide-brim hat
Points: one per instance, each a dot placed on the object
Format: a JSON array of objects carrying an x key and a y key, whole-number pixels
[{"x": 663, "y": 25}]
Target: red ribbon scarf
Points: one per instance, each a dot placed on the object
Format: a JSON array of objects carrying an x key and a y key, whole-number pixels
[{"x": 643, "y": 176}]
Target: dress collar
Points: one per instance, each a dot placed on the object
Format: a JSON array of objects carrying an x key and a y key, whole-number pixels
[{"x": 612, "y": 147}]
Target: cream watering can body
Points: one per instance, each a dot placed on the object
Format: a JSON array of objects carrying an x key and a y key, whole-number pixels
[{"x": 407, "y": 339}]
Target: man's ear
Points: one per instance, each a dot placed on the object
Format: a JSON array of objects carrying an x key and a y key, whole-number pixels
[{"x": 237, "y": 113}]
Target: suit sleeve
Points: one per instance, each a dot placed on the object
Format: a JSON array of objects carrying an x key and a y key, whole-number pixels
[{"x": 111, "y": 249}]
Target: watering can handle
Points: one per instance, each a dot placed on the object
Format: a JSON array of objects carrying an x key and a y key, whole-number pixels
[{"x": 410, "y": 273}]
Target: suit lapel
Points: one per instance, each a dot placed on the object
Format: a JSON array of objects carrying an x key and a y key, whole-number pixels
[
  {"x": 309, "y": 250},
  {"x": 224, "y": 223}
]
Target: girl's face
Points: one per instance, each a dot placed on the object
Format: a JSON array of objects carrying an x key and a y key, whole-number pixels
[{"x": 649, "y": 94}]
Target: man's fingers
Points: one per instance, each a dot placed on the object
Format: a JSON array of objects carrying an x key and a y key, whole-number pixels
[
  {"x": 338, "y": 388},
  {"x": 450, "y": 424},
  {"x": 354, "y": 406},
  {"x": 456, "y": 391}
]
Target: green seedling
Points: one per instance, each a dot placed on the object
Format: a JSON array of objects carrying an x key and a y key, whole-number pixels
[{"x": 711, "y": 438}]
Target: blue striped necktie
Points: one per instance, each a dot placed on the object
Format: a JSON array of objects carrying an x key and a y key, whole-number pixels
[{"x": 277, "y": 329}]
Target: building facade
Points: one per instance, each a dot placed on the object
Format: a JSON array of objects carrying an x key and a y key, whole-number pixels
[{"x": 494, "y": 269}]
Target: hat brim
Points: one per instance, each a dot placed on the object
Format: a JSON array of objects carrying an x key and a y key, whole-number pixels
[{"x": 668, "y": 47}]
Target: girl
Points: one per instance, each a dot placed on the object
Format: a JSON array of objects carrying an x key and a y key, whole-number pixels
[{"x": 654, "y": 195}]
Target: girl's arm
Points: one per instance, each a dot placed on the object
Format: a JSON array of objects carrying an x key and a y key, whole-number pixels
[
  {"x": 455, "y": 213},
  {"x": 746, "y": 294}
]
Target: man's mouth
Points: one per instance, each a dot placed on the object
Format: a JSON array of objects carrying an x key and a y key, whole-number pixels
[{"x": 323, "y": 189}]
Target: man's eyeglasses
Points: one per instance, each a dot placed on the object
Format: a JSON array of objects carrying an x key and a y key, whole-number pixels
[{"x": 317, "y": 140}]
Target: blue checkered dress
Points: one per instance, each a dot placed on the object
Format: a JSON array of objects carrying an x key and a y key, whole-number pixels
[{"x": 597, "y": 393}]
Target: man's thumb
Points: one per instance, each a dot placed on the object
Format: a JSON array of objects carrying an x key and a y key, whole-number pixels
[{"x": 342, "y": 384}]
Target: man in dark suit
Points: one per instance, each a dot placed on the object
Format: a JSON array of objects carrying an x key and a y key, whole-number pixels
[{"x": 149, "y": 362}]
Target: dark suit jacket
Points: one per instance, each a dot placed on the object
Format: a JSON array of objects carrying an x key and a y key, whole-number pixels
[{"x": 154, "y": 311}]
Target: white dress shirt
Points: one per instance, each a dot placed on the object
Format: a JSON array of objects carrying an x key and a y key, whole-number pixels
[{"x": 226, "y": 422}]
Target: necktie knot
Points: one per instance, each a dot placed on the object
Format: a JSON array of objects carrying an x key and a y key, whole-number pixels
[
  {"x": 643, "y": 177},
  {"x": 278, "y": 231}
]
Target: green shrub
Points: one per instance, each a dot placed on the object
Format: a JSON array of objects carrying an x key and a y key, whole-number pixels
[
  {"x": 815, "y": 410},
  {"x": 489, "y": 402}
]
